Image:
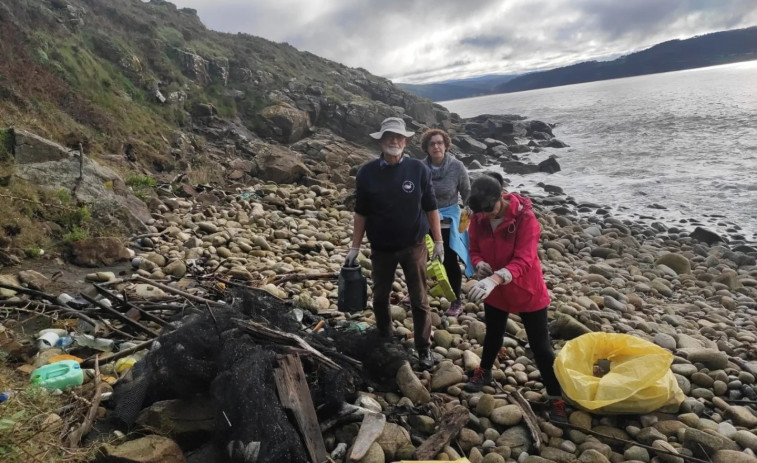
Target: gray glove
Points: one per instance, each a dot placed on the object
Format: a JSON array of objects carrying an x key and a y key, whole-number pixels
[
  {"x": 351, "y": 259},
  {"x": 482, "y": 289},
  {"x": 483, "y": 270},
  {"x": 505, "y": 274},
  {"x": 438, "y": 251}
]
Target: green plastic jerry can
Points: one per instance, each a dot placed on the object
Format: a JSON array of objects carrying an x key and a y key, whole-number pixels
[{"x": 58, "y": 375}]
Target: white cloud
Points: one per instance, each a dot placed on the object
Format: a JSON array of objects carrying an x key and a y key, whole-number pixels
[{"x": 417, "y": 41}]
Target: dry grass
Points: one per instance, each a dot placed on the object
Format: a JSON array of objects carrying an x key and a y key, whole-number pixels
[
  {"x": 205, "y": 173},
  {"x": 30, "y": 429},
  {"x": 20, "y": 211}
]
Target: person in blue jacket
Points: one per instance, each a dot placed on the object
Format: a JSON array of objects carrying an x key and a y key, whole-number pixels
[{"x": 395, "y": 206}]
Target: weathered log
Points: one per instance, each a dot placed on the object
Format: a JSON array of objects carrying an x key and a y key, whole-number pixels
[
  {"x": 285, "y": 338},
  {"x": 452, "y": 422},
  {"x": 120, "y": 316},
  {"x": 529, "y": 417},
  {"x": 76, "y": 435},
  {"x": 178, "y": 292}
]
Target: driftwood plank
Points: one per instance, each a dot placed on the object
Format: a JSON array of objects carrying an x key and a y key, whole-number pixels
[
  {"x": 280, "y": 337},
  {"x": 529, "y": 417},
  {"x": 452, "y": 422},
  {"x": 115, "y": 313},
  {"x": 371, "y": 427},
  {"x": 295, "y": 396}
]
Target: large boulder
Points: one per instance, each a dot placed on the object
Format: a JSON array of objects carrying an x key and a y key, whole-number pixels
[
  {"x": 278, "y": 164},
  {"x": 285, "y": 123},
  {"x": 549, "y": 165},
  {"x": 518, "y": 167},
  {"x": 192, "y": 65},
  {"x": 706, "y": 236},
  {"x": 184, "y": 421},
  {"x": 679, "y": 263},
  {"x": 333, "y": 151},
  {"x": 43, "y": 162},
  {"x": 469, "y": 144},
  {"x": 356, "y": 119},
  {"x": 32, "y": 149},
  {"x": 95, "y": 252}
]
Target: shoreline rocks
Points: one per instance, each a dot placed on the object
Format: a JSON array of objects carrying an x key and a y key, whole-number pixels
[
  {"x": 698, "y": 301},
  {"x": 695, "y": 300}
]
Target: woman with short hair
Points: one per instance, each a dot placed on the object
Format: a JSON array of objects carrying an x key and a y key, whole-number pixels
[{"x": 504, "y": 236}]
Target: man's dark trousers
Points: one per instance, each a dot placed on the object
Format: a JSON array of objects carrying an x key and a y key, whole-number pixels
[{"x": 413, "y": 261}]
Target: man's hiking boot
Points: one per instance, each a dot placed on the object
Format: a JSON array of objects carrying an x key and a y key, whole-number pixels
[
  {"x": 479, "y": 379},
  {"x": 425, "y": 360},
  {"x": 455, "y": 309}
]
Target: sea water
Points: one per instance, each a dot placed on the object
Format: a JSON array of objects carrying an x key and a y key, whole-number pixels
[{"x": 685, "y": 141}]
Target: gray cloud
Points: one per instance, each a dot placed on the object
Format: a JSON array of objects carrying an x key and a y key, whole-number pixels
[
  {"x": 484, "y": 41},
  {"x": 419, "y": 41}
]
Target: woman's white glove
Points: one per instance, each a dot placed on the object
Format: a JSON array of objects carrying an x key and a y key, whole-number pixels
[
  {"x": 351, "y": 259},
  {"x": 483, "y": 270},
  {"x": 438, "y": 252},
  {"x": 505, "y": 274},
  {"x": 482, "y": 289}
]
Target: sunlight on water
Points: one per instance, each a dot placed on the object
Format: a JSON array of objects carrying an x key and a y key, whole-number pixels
[{"x": 686, "y": 140}]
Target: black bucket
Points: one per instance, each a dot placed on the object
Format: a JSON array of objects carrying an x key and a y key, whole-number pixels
[{"x": 353, "y": 290}]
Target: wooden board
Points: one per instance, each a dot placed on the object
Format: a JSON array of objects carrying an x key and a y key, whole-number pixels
[
  {"x": 371, "y": 427},
  {"x": 452, "y": 422},
  {"x": 295, "y": 396},
  {"x": 529, "y": 417}
]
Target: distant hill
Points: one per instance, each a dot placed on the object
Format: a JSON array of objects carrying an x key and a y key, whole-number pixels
[
  {"x": 674, "y": 55},
  {"x": 459, "y": 88}
]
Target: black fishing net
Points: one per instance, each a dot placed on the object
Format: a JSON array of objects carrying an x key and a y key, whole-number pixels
[
  {"x": 251, "y": 424},
  {"x": 209, "y": 354}
]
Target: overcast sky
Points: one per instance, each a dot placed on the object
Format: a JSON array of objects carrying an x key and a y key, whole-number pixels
[{"x": 423, "y": 40}]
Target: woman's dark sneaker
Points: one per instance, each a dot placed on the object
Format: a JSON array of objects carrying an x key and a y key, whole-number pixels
[
  {"x": 479, "y": 379},
  {"x": 556, "y": 411},
  {"x": 455, "y": 309}
]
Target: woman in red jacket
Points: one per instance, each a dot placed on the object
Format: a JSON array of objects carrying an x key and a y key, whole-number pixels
[{"x": 504, "y": 235}]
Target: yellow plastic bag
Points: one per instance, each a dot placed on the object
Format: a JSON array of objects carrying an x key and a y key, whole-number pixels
[{"x": 639, "y": 380}]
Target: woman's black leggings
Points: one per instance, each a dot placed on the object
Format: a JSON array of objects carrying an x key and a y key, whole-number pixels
[
  {"x": 537, "y": 331},
  {"x": 451, "y": 265}
]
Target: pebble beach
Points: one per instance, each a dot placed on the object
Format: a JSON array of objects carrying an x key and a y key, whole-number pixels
[{"x": 605, "y": 275}]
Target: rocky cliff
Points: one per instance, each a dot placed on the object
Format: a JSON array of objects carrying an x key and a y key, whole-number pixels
[
  {"x": 134, "y": 93},
  {"x": 148, "y": 82}
]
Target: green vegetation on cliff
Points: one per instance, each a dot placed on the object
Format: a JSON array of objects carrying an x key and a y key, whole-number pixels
[
  {"x": 128, "y": 73},
  {"x": 146, "y": 90}
]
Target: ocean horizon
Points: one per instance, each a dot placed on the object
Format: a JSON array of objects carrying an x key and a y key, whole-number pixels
[{"x": 678, "y": 148}]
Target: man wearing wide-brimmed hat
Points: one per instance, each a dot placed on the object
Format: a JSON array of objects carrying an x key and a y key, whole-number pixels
[{"x": 395, "y": 203}]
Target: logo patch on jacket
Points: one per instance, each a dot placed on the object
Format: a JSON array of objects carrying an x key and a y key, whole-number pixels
[{"x": 408, "y": 186}]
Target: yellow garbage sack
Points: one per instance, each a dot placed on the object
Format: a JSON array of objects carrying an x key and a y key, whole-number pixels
[{"x": 639, "y": 379}]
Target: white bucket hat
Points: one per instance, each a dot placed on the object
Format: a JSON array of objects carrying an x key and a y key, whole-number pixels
[{"x": 392, "y": 124}]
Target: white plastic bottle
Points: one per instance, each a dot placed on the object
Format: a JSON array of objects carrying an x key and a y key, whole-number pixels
[{"x": 101, "y": 344}]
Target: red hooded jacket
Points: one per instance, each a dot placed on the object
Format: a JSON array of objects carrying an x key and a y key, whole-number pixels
[{"x": 513, "y": 246}]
